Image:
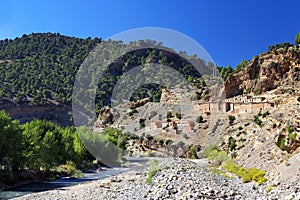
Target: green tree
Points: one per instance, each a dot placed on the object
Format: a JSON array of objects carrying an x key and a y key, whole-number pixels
[
  {"x": 297, "y": 39},
  {"x": 10, "y": 140},
  {"x": 42, "y": 145},
  {"x": 101, "y": 147},
  {"x": 241, "y": 66}
]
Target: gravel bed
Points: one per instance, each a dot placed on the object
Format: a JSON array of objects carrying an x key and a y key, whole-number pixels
[{"x": 177, "y": 179}]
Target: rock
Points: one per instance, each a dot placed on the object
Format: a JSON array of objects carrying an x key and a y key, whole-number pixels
[
  {"x": 105, "y": 118},
  {"x": 139, "y": 103}
]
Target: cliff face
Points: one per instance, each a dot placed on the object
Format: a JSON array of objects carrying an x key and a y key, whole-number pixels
[
  {"x": 266, "y": 72},
  {"x": 60, "y": 114}
]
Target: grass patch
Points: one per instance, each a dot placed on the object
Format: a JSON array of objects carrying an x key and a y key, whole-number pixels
[
  {"x": 154, "y": 168},
  {"x": 71, "y": 170},
  {"x": 269, "y": 189},
  {"x": 247, "y": 174}
]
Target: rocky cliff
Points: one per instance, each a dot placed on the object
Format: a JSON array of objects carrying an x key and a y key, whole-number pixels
[{"x": 266, "y": 72}]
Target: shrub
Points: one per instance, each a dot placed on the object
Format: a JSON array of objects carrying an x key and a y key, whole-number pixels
[
  {"x": 269, "y": 189},
  {"x": 298, "y": 99},
  {"x": 290, "y": 129},
  {"x": 169, "y": 114},
  {"x": 132, "y": 112},
  {"x": 219, "y": 156},
  {"x": 231, "y": 119},
  {"x": 154, "y": 168},
  {"x": 257, "y": 120},
  {"x": 169, "y": 142},
  {"x": 282, "y": 144},
  {"x": 247, "y": 91},
  {"x": 247, "y": 175},
  {"x": 292, "y": 136},
  {"x": 178, "y": 115},
  {"x": 149, "y": 153},
  {"x": 208, "y": 149},
  {"x": 231, "y": 143},
  {"x": 242, "y": 140},
  {"x": 199, "y": 119},
  {"x": 265, "y": 114},
  {"x": 241, "y": 66},
  {"x": 193, "y": 152},
  {"x": 149, "y": 137},
  {"x": 257, "y": 92},
  {"x": 259, "y": 114},
  {"x": 240, "y": 128},
  {"x": 71, "y": 170}
]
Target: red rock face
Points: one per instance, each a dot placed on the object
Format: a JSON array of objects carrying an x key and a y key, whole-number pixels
[{"x": 266, "y": 72}]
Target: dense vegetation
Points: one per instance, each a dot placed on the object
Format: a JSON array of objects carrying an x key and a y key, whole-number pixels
[
  {"x": 37, "y": 68},
  {"x": 221, "y": 158},
  {"x": 43, "y": 146}
]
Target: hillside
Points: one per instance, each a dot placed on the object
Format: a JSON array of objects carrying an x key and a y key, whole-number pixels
[
  {"x": 37, "y": 72},
  {"x": 257, "y": 124}
]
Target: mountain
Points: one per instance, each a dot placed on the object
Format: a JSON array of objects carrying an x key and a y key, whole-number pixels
[{"x": 37, "y": 73}]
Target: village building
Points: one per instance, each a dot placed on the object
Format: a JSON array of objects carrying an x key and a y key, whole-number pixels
[{"x": 241, "y": 104}]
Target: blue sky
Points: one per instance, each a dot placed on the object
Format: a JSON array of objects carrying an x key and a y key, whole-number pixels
[{"x": 229, "y": 30}]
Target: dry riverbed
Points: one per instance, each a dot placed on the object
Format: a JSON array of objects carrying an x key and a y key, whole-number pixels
[{"x": 175, "y": 179}]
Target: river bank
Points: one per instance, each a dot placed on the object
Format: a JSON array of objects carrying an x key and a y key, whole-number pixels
[
  {"x": 175, "y": 179},
  {"x": 31, "y": 187}
]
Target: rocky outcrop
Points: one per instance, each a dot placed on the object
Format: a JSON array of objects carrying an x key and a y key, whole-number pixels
[
  {"x": 266, "y": 72},
  {"x": 139, "y": 103},
  {"x": 60, "y": 114},
  {"x": 105, "y": 118}
]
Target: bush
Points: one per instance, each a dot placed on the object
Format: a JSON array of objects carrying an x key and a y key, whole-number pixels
[
  {"x": 247, "y": 175},
  {"x": 149, "y": 137},
  {"x": 231, "y": 119},
  {"x": 292, "y": 136},
  {"x": 199, "y": 119},
  {"x": 282, "y": 144},
  {"x": 71, "y": 170},
  {"x": 298, "y": 99},
  {"x": 169, "y": 142},
  {"x": 257, "y": 120},
  {"x": 231, "y": 143},
  {"x": 208, "y": 150},
  {"x": 265, "y": 114},
  {"x": 178, "y": 115},
  {"x": 290, "y": 129},
  {"x": 241, "y": 66},
  {"x": 169, "y": 114},
  {"x": 154, "y": 168},
  {"x": 257, "y": 92},
  {"x": 247, "y": 91},
  {"x": 193, "y": 152}
]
